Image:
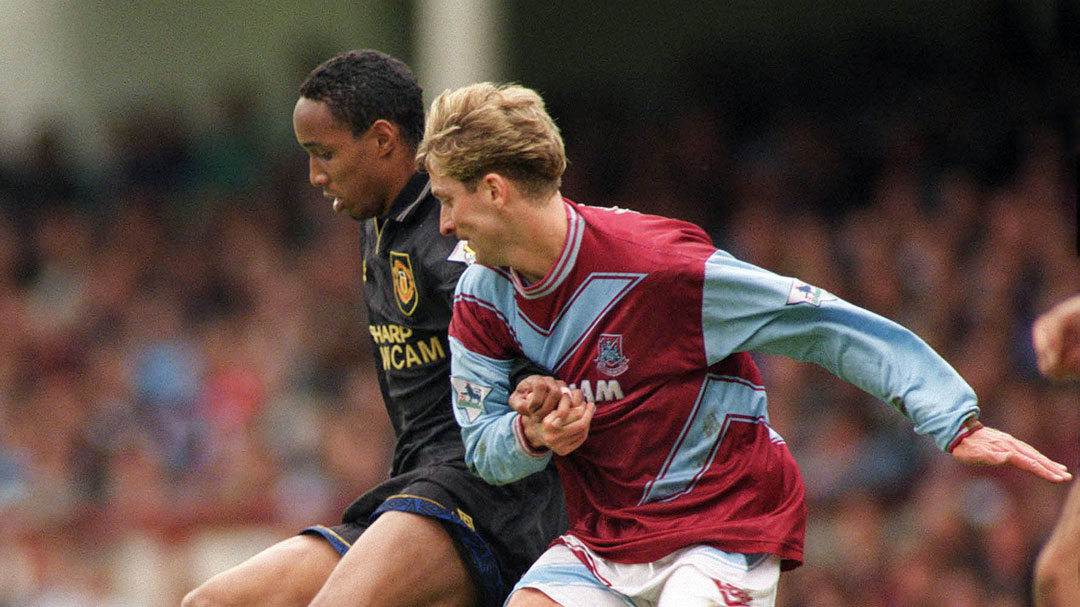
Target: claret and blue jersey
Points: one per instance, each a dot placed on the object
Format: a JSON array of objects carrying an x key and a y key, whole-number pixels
[{"x": 655, "y": 324}]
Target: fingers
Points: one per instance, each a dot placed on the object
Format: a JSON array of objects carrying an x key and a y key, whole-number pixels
[
  {"x": 567, "y": 427},
  {"x": 989, "y": 446},
  {"x": 537, "y": 396},
  {"x": 1047, "y": 471},
  {"x": 570, "y": 409},
  {"x": 553, "y": 415},
  {"x": 1026, "y": 457},
  {"x": 571, "y": 434}
]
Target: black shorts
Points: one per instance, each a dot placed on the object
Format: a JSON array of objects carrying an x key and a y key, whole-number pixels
[{"x": 498, "y": 530}]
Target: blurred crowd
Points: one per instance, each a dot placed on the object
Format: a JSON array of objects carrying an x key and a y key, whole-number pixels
[{"x": 186, "y": 375}]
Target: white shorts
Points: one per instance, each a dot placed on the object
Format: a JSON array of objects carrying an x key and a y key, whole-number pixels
[{"x": 696, "y": 576}]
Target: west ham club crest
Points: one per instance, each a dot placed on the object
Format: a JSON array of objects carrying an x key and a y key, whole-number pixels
[{"x": 609, "y": 356}]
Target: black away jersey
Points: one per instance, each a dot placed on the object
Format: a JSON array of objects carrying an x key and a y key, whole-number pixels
[{"x": 409, "y": 287}]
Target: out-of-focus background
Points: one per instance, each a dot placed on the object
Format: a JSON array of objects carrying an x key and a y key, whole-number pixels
[{"x": 185, "y": 369}]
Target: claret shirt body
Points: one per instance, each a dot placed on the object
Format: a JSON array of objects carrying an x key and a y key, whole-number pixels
[{"x": 655, "y": 325}]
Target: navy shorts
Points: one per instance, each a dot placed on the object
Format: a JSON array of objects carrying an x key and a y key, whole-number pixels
[{"x": 498, "y": 530}]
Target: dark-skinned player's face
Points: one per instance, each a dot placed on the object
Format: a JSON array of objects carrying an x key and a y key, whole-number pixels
[{"x": 345, "y": 166}]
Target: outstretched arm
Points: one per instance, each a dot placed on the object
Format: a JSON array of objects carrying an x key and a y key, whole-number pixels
[{"x": 749, "y": 308}]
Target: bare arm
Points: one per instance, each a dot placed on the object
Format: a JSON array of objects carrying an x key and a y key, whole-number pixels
[
  {"x": 1057, "y": 570},
  {"x": 1056, "y": 338}
]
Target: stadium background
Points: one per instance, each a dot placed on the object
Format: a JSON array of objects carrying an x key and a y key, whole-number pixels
[{"x": 185, "y": 376}]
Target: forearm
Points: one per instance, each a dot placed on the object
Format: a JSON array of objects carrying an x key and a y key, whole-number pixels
[
  {"x": 895, "y": 365},
  {"x": 747, "y": 308},
  {"x": 496, "y": 450},
  {"x": 489, "y": 428}
]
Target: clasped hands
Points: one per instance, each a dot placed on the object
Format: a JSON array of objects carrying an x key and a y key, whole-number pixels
[{"x": 552, "y": 415}]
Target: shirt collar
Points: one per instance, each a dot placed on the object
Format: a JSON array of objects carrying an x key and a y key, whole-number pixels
[{"x": 409, "y": 197}]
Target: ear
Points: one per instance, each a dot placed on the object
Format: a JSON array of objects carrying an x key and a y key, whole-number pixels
[
  {"x": 496, "y": 189},
  {"x": 385, "y": 134}
]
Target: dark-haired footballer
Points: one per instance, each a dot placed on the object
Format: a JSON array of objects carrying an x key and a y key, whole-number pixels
[{"x": 434, "y": 533}]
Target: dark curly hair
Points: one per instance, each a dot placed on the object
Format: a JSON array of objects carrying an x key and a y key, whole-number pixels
[{"x": 363, "y": 86}]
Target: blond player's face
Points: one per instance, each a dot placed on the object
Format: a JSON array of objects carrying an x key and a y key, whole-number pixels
[
  {"x": 345, "y": 166},
  {"x": 464, "y": 214}
]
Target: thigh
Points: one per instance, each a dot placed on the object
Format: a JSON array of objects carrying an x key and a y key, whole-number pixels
[
  {"x": 501, "y": 529},
  {"x": 401, "y": 559},
  {"x": 559, "y": 578},
  {"x": 531, "y": 597},
  {"x": 704, "y": 577},
  {"x": 287, "y": 574}
]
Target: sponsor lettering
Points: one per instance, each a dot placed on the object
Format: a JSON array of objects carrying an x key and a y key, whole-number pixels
[
  {"x": 390, "y": 334},
  {"x": 606, "y": 390},
  {"x": 399, "y": 351}
]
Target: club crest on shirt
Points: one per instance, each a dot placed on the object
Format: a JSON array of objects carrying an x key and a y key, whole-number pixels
[
  {"x": 803, "y": 293},
  {"x": 469, "y": 397},
  {"x": 401, "y": 273},
  {"x": 609, "y": 355}
]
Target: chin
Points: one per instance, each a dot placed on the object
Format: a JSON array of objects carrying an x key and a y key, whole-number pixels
[
  {"x": 360, "y": 213},
  {"x": 486, "y": 260}
]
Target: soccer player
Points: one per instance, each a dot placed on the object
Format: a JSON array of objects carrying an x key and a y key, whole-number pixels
[
  {"x": 678, "y": 491},
  {"x": 1056, "y": 339},
  {"x": 434, "y": 533}
]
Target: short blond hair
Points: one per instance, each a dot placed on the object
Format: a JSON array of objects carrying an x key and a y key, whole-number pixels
[{"x": 493, "y": 128}]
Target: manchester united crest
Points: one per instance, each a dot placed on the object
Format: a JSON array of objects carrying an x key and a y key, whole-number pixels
[
  {"x": 610, "y": 359},
  {"x": 404, "y": 283}
]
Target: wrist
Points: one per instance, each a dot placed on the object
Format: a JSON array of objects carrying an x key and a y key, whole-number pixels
[
  {"x": 526, "y": 443},
  {"x": 970, "y": 426}
]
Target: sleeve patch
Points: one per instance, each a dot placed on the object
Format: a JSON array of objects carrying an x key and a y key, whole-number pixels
[
  {"x": 469, "y": 397},
  {"x": 462, "y": 253},
  {"x": 803, "y": 293}
]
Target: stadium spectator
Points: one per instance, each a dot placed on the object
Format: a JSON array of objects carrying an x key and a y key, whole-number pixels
[{"x": 936, "y": 271}]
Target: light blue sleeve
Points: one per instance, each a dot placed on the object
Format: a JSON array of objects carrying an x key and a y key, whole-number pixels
[
  {"x": 481, "y": 392},
  {"x": 747, "y": 308}
]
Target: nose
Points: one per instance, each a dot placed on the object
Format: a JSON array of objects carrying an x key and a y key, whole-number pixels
[
  {"x": 446, "y": 221},
  {"x": 316, "y": 175}
]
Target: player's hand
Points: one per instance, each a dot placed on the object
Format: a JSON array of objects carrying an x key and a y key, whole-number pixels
[
  {"x": 1056, "y": 339},
  {"x": 561, "y": 429},
  {"x": 536, "y": 396},
  {"x": 565, "y": 428},
  {"x": 990, "y": 447}
]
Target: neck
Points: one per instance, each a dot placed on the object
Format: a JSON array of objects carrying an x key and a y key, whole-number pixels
[
  {"x": 539, "y": 240},
  {"x": 398, "y": 175}
]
